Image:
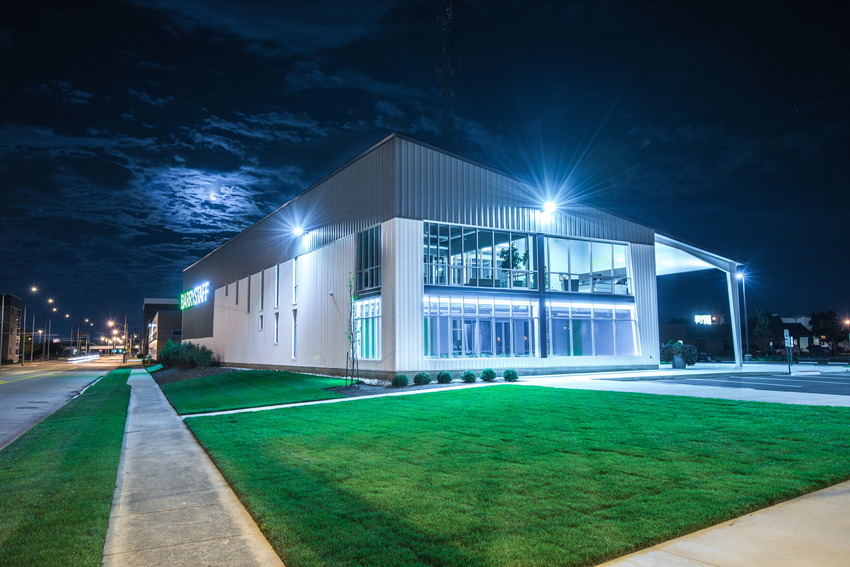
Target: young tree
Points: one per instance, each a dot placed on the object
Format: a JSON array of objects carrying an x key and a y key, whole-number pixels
[
  {"x": 767, "y": 327},
  {"x": 351, "y": 366},
  {"x": 828, "y": 327}
]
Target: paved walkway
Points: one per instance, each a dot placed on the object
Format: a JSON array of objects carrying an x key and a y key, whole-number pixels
[
  {"x": 808, "y": 531},
  {"x": 171, "y": 506}
]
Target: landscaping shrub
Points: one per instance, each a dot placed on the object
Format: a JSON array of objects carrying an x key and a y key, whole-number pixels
[
  {"x": 488, "y": 375},
  {"x": 444, "y": 377},
  {"x": 185, "y": 354},
  {"x": 468, "y": 376},
  {"x": 510, "y": 375},
  {"x": 421, "y": 379},
  {"x": 671, "y": 349},
  {"x": 400, "y": 380}
]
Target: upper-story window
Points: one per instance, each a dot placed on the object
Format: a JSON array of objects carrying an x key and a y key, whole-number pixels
[
  {"x": 586, "y": 266},
  {"x": 479, "y": 257},
  {"x": 368, "y": 275}
]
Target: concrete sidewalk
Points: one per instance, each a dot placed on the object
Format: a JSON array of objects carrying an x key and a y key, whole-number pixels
[
  {"x": 171, "y": 506},
  {"x": 808, "y": 531}
]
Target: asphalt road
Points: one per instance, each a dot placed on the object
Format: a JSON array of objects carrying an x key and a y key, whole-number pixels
[
  {"x": 29, "y": 394},
  {"x": 806, "y": 381}
]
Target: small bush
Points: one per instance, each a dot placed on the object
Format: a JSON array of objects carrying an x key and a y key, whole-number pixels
[
  {"x": 687, "y": 352},
  {"x": 400, "y": 380},
  {"x": 421, "y": 379},
  {"x": 488, "y": 375},
  {"x": 444, "y": 377},
  {"x": 185, "y": 354},
  {"x": 468, "y": 376},
  {"x": 510, "y": 375}
]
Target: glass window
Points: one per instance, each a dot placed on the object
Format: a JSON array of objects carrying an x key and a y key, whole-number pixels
[
  {"x": 485, "y": 255},
  {"x": 594, "y": 329},
  {"x": 580, "y": 279},
  {"x": 456, "y": 256},
  {"x": 368, "y": 325},
  {"x": 480, "y": 327},
  {"x": 368, "y": 276},
  {"x": 625, "y": 338},
  {"x": 276, "y": 328},
  {"x": 262, "y": 289},
  {"x": 504, "y": 258}
]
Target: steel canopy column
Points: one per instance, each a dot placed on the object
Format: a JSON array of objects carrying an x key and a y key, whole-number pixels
[{"x": 735, "y": 314}]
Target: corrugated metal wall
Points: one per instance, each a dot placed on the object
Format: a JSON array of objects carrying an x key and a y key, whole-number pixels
[
  {"x": 646, "y": 300},
  {"x": 397, "y": 178}
]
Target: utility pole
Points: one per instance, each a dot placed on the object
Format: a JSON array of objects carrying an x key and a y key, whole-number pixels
[
  {"x": 445, "y": 73},
  {"x": 125, "y": 339}
]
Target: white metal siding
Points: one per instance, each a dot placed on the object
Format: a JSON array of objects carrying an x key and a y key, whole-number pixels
[{"x": 646, "y": 300}]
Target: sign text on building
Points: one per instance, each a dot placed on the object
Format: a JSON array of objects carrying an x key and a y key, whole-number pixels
[{"x": 194, "y": 296}]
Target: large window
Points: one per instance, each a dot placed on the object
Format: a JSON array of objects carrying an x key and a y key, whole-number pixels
[
  {"x": 478, "y": 257},
  {"x": 591, "y": 329},
  {"x": 369, "y": 259},
  {"x": 368, "y": 320},
  {"x": 585, "y": 266},
  {"x": 478, "y": 327}
]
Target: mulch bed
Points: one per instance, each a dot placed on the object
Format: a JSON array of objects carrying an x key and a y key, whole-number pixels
[
  {"x": 372, "y": 388},
  {"x": 171, "y": 375}
]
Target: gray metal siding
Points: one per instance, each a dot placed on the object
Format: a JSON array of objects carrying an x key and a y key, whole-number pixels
[
  {"x": 440, "y": 187},
  {"x": 397, "y": 178}
]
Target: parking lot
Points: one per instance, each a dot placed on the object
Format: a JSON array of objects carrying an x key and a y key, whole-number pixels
[{"x": 835, "y": 383}]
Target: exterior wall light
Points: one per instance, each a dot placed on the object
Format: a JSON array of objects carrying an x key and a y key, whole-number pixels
[
  {"x": 548, "y": 208},
  {"x": 298, "y": 231}
]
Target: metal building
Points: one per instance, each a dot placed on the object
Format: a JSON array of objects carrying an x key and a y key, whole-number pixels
[{"x": 454, "y": 266}]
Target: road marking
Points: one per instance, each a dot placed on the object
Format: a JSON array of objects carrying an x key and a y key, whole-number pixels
[
  {"x": 692, "y": 380},
  {"x": 27, "y": 377}
]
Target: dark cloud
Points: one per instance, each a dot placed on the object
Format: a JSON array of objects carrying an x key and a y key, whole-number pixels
[{"x": 137, "y": 136}]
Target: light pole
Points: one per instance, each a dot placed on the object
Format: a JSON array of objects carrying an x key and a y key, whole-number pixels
[
  {"x": 33, "y": 289},
  {"x": 746, "y": 330},
  {"x": 847, "y": 328}
]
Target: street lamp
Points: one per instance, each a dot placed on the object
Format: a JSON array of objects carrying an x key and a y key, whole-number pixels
[
  {"x": 33, "y": 289},
  {"x": 847, "y": 327},
  {"x": 746, "y": 330}
]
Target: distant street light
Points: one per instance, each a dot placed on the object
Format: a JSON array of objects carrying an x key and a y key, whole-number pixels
[{"x": 33, "y": 289}]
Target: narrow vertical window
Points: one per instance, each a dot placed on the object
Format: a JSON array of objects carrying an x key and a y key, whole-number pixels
[
  {"x": 368, "y": 323},
  {"x": 248, "y": 298},
  {"x": 237, "y": 292},
  {"x": 226, "y": 289},
  {"x": 295, "y": 280},
  {"x": 261, "y": 323},
  {"x": 294, "y": 333},
  {"x": 277, "y": 286},
  {"x": 262, "y": 290},
  {"x": 276, "y": 328},
  {"x": 368, "y": 275}
]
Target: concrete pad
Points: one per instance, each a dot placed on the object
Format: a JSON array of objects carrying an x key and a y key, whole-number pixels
[
  {"x": 171, "y": 505},
  {"x": 810, "y": 530},
  {"x": 172, "y": 527},
  {"x": 217, "y": 553},
  {"x": 658, "y": 558},
  {"x": 146, "y": 501}
]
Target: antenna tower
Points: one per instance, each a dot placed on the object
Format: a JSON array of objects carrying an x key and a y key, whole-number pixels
[{"x": 445, "y": 73}]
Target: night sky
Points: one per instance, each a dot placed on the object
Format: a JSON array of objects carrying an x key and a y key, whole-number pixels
[{"x": 135, "y": 137}]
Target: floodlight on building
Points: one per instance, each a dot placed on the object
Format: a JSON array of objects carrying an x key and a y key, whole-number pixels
[
  {"x": 298, "y": 231},
  {"x": 549, "y": 207}
]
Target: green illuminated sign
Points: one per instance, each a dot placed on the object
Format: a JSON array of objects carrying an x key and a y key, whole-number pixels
[{"x": 194, "y": 296}]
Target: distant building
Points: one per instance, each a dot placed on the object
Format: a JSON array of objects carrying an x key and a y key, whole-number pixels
[
  {"x": 166, "y": 325},
  {"x": 154, "y": 337},
  {"x": 455, "y": 266},
  {"x": 10, "y": 328}
]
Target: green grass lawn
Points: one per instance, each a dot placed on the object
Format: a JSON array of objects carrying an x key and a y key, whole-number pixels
[
  {"x": 246, "y": 389},
  {"x": 510, "y": 475},
  {"x": 58, "y": 479}
]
